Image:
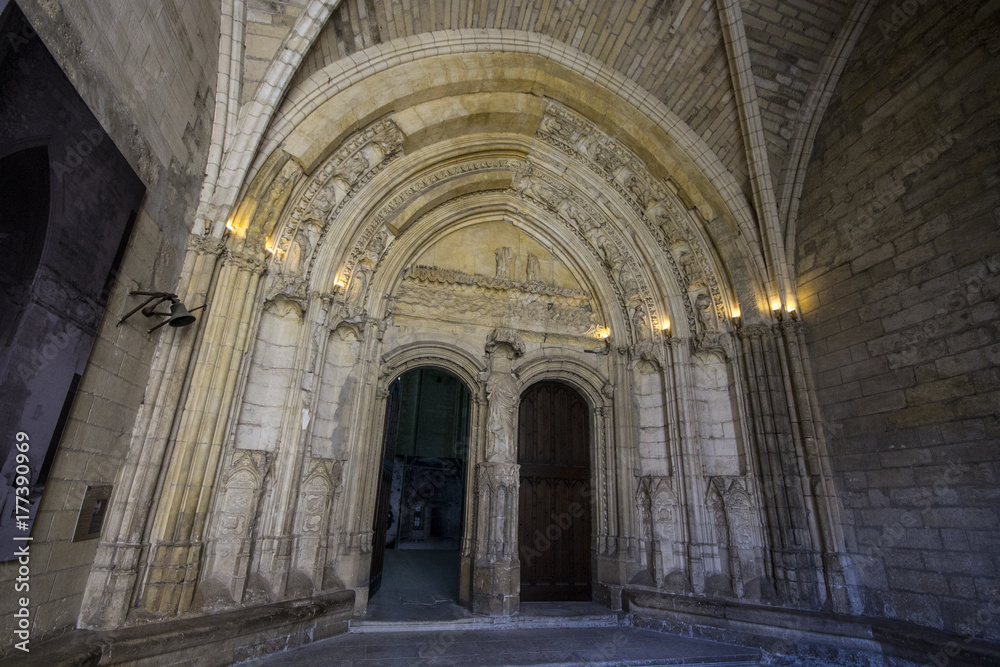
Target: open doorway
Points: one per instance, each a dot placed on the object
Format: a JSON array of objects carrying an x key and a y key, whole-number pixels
[{"x": 418, "y": 519}]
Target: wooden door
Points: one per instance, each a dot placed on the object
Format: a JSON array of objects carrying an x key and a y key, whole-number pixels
[
  {"x": 554, "y": 503},
  {"x": 380, "y": 522}
]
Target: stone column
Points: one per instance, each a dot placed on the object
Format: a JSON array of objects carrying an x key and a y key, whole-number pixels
[
  {"x": 496, "y": 573},
  {"x": 177, "y": 532},
  {"x": 108, "y": 595},
  {"x": 496, "y": 569}
]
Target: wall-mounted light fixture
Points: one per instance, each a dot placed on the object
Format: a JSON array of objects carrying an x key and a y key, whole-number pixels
[
  {"x": 737, "y": 318},
  {"x": 179, "y": 315}
]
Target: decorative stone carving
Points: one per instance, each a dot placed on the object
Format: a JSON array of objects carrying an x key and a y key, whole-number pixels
[
  {"x": 533, "y": 305},
  {"x": 653, "y": 202},
  {"x": 357, "y": 289},
  {"x": 433, "y": 274},
  {"x": 235, "y": 514},
  {"x": 333, "y": 184},
  {"x": 244, "y": 261},
  {"x": 658, "y": 505},
  {"x": 205, "y": 245},
  {"x": 502, "y": 396},
  {"x": 533, "y": 271},
  {"x": 737, "y": 532},
  {"x": 588, "y": 224},
  {"x": 706, "y": 320},
  {"x": 289, "y": 288},
  {"x": 496, "y": 572},
  {"x": 505, "y": 336},
  {"x": 505, "y": 263}
]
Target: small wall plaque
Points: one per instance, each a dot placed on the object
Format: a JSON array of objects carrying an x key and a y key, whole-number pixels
[{"x": 92, "y": 512}]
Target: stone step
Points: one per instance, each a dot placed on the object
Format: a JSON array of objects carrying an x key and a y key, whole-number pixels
[{"x": 486, "y": 622}]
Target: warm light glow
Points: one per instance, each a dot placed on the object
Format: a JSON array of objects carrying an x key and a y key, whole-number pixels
[
  {"x": 340, "y": 284},
  {"x": 776, "y": 306},
  {"x": 666, "y": 325},
  {"x": 736, "y": 313},
  {"x": 604, "y": 333}
]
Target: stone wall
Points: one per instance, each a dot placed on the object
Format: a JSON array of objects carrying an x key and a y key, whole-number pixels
[
  {"x": 146, "y": 70},
  {"x": 899, "y": 277}
]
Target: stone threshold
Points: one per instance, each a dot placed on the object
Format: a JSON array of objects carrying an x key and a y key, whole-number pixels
[
  {"x": 825, "y": 637},
  {"x": 210, "y": 640},
  {"x": 532, "y": 615}
]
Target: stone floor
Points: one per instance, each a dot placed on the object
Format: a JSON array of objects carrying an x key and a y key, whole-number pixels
[
  {"x": 414, "y": 620},
  {"x": 417, "y": 585},
  {"x": 538, "y": 646}
]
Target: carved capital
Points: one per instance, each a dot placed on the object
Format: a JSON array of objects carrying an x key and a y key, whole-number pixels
[
  {"x": 205, "y": 245},
  {"x": 508, "y": 337},
  {"x": 757, "y": 331},
  {"x": 244, "y": 261},
  {"x": 491, "y": 476},
  {"x": 290, "y": 288}
]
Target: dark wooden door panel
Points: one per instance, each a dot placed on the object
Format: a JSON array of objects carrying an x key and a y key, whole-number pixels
[
  {"x": 380, "y": 522},
  {"x": 554, "y": 508}
]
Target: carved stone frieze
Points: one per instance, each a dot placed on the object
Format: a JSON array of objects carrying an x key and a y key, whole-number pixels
[
  {"x": 528, "y": 306},
  {"x": 433, "y": 274}
]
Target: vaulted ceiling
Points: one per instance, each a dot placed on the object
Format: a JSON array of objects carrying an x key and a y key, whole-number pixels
[
  {"x": 674, "y": 49},
  {"x": 748, "y": 79}
]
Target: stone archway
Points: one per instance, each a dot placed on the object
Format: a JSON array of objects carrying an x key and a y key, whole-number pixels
[{"x": 555, "y": 247}]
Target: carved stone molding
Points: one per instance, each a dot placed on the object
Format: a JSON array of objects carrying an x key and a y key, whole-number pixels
[
  {"x": 494, "y": 476},
  {"x": 653, "y": 202},
  {"x": 591, "y": 226},
  {"x": 349, "y": 168}
]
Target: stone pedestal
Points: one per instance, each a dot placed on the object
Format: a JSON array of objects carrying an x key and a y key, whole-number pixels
[{"x": 496, "y": 571}]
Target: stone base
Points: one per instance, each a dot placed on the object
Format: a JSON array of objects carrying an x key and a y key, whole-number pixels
[
  {"x": 820, "y": 638},
  {"x": 221, "y": 639},
  {"x": 496, "y": 590}
]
